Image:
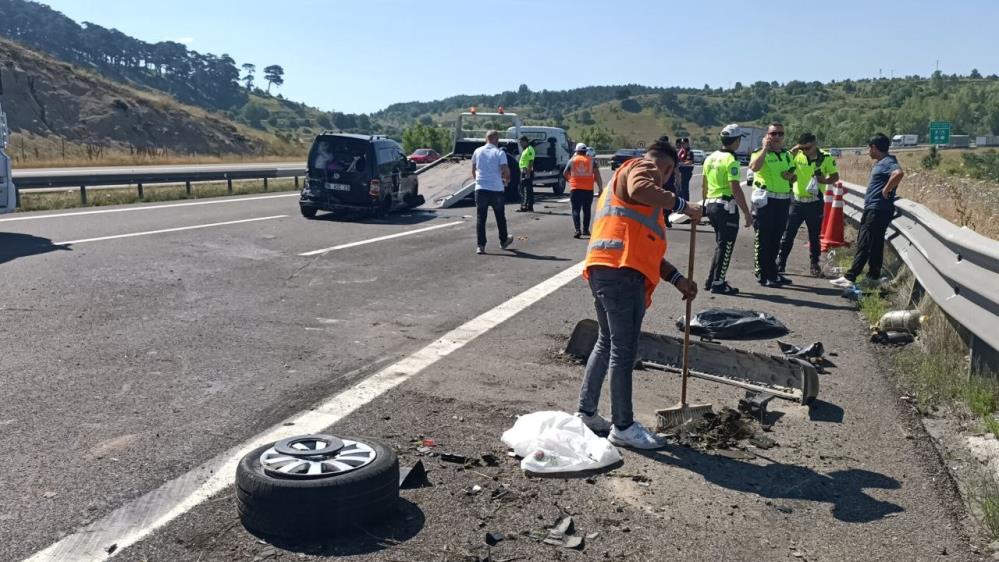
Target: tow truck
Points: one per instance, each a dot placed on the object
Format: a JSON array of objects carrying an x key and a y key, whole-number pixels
[{"x": 470, "y": 133}]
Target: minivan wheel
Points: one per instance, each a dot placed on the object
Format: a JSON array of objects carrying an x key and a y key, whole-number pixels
[
  {"x": 384, "y": 207},
  {"x": 316, "y": 485},
  {"x": 308, "y": 212}
]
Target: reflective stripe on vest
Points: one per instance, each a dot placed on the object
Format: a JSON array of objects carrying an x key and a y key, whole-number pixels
[
  {"x": 627, "y": 235},
  {"x": 620, "y": 211},
  {"x": 581, "y": 173}
]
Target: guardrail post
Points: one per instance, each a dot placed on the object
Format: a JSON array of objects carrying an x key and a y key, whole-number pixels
[
  {"x": 141, "y": 194},
  {"x": 296, "y": 182},
  {"x": 83, "y": 195},
  {"x": 187, "y": 187},
  {"x": 228, "y": 181},
  {"x": 265, "y": 184}
]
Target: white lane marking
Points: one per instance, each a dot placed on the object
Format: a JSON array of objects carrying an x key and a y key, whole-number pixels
[
  {"x": 135, "y": 520},
  {"x": 378, "y": 239},
  {"x": 150, "y": 207},
  {"x": 165, "y": 230}
]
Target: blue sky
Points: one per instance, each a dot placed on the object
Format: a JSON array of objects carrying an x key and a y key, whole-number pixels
[{"x": 362, "y": 55}]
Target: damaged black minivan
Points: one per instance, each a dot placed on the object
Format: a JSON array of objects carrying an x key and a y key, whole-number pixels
[{"x": 358, "y": 173}]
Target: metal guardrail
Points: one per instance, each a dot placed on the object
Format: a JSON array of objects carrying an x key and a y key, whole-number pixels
[{"x": 957, "y": 267}]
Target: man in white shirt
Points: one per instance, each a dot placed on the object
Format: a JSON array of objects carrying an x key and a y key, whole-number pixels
[{"x": 491, "y": 172}]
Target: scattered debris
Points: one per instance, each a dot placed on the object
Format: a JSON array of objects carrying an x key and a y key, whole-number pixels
[
  {"x": 783, "y": 508},
  {"x": 814, "y": 350},
  {"x": 428, "y": 442},
  {"x": 892, "y": 338},
  {"x": 563, "y": 534},
  {"x": 473, "y": 491},
  {"x": 762, "y": 442},
  {"x": 493, "y": 538},
  {"x": 413, "y": 477},
  {"x": 723, "y": 430},
  {"x": 112, "y": 548},
  {"x": 490, "y": 459},
  {"x": 50, "y": 495},
  {"x": 451, "y": 457},
  {"x": 900, "y": 321}
]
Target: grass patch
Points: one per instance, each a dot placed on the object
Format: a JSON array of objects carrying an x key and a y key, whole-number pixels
[
  {"x": 873, "y": 307},
  {"x": 53, "y": 200},
  {"x": 984, "y": 496}
]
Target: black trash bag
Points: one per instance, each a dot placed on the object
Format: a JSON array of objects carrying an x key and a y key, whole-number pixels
[{"x": 732, "y": 323}]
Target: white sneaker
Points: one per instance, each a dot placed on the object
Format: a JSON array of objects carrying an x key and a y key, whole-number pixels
[
  {"x": 596, "y": 423},
  {"x": 636, "y": 437},
  {"x": 842, "y": 283}
]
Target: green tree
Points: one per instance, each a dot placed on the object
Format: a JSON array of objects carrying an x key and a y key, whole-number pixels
[
  {"x": 248, "y": 70},
  {"x": 274, "y": 75}
]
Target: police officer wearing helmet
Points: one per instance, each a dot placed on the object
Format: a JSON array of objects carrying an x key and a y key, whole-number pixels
[
  {"x": 814, "y": 169},
  {"x": 723, "y": 199},
  {"x": 773, "y": 175}
]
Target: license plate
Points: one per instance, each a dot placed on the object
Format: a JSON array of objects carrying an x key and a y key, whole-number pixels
[{"x": 338, "y": 186}]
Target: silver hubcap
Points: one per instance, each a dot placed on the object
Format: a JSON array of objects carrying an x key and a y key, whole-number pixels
[{"x": 352, "y": 456}]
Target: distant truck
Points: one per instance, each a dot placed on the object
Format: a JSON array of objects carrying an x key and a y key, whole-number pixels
[
  {"x": 905, "y": 140},
  {"x": 751, "y": 142},
  {"x": 8, "y": 192},
  {"x": 960, "y": 141},
  {"x": 552, "y": 149}
]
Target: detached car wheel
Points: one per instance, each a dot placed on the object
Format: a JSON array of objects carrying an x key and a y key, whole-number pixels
[{"x": 316, "y": 485}]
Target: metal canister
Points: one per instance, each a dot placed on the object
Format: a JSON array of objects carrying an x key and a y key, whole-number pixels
[{"x": 900, "y": 321}]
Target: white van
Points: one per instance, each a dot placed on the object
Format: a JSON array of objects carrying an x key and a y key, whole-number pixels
[{"x": 553, "y": 148}]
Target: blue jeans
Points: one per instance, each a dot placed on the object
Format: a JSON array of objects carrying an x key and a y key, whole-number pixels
[{"x": 619, "y": 298}]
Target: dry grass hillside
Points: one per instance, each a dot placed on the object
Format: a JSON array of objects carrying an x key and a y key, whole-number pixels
[{"x": 62, "y": 115}]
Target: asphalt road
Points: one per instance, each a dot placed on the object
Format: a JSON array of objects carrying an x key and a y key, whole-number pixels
[{"x": 164, "y": 335}]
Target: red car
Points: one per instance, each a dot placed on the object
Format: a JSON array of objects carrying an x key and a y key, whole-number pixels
[{"x": 424, "y": 156}]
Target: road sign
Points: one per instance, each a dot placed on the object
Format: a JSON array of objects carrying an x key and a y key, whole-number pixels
[{"x": 940, "y": 132}]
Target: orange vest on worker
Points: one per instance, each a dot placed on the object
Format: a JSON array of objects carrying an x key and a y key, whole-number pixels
[
  {"x": 581, "y": 172},
  {"x": 627, "y": 235}
]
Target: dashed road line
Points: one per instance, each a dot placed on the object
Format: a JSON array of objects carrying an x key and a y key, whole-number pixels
[
  {"x": 135, "y": 520},
  {"x": 166, "y": 230},
  {"x": 149, "y": 207},
  {"x": 378, "y": 239}
]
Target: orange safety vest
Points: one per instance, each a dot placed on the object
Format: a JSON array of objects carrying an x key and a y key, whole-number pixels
[
  {"x": 581, "y": 173},
  {"x": 627, "y": 235}
]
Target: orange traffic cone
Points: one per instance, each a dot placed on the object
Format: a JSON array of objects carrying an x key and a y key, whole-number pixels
[
  {"x": 827, "y": 208},
  {"x": 832, "y": 231}
]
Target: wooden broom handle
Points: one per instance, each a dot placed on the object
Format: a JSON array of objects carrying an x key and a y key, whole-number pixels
[{"x": 686, "y": 324}]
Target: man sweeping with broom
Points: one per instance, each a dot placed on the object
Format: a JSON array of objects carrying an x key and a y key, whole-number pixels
[{"x": 624, "y": 263}]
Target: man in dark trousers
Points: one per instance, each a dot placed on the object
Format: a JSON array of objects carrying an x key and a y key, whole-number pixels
[
  {"x": 879, "y": 210},
  {"x": 723, "y": 198},
  {"x": 582, "y": 175},
  {"x": 773, "y": 174},
  {"x": 527, "y": 156},
  {"x": 491, "y": 173},
  {"x": 814, "y": 170},
  {"x": 686, "y": 167}
]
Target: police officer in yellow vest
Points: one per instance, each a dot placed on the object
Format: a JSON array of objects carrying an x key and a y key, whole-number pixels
[
  {"x": 581, "y": 174},
  {"x": 773, "y": 173},
  {"x": 624, "y": 263},
  {"x": 723, "y": 199},
  {"x": 814, "y": 169}
]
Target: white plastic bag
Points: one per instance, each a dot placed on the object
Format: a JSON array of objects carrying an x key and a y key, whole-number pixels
[
  {"x": 552, "y": 442},
  {"x": 759, "y": 197},
  {"x": 813, "y": 186}
]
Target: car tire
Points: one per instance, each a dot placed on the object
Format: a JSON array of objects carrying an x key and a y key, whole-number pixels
[
  {"x": 308, "y": 212},
  {"x": 294, "y": 508},
  {"x": 559, "y": 187}
]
